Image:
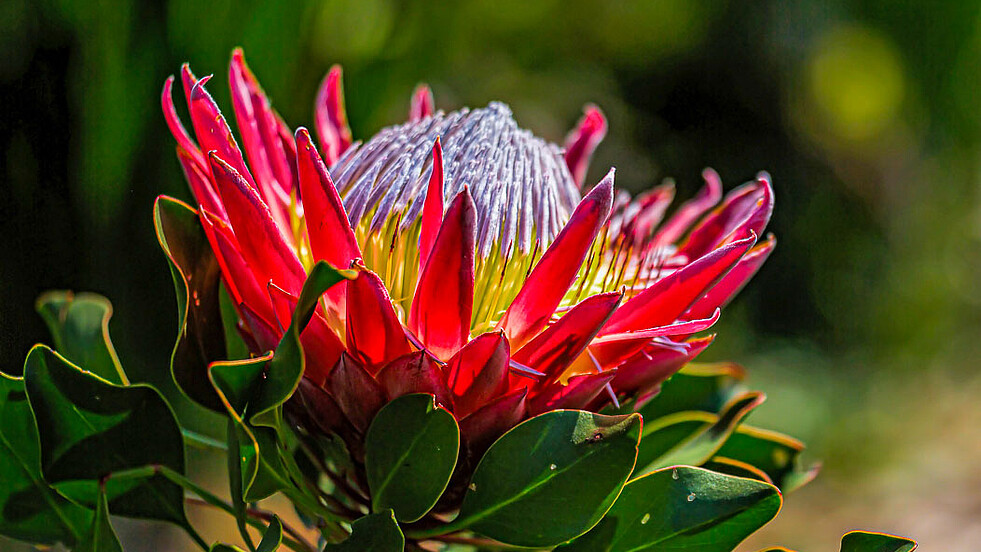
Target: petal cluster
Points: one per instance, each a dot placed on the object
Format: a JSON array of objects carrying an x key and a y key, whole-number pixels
[{"x": 483, "y": 277}]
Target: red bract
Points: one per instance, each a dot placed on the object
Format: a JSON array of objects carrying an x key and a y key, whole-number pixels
[{"x": 484, "y": 277}]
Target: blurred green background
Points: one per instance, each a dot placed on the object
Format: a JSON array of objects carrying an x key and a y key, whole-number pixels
[{"x": 864, "y": 328}]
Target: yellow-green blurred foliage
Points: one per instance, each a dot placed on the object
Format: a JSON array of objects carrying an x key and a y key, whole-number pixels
[{"x": 864, "y": 328}]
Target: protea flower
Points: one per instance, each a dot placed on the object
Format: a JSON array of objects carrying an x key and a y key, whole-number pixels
[{"x": 484, "y": 275}]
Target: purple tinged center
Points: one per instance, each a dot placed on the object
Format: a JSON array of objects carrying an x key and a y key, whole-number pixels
[{"x": 521, "y": 186}]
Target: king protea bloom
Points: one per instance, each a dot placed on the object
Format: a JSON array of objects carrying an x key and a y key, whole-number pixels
[{"x": 487, "y": 273}]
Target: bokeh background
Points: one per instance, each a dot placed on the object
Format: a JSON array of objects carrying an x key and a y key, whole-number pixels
[{"x": 864, "y": 328}]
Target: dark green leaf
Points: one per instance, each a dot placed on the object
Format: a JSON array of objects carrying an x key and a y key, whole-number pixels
[
  {"x": 236, "y": 478},
  {"x": 237, "y": 381},
  {"x": 669, "y": 432},
  {"x": 701, "y": 434},
  {"x": 254, "y": 465},
  {"x": 30, "y": 510},
  {"x": 271, "y": 475},
  {"x": 776, "y": 455},
  {"x": 102, "y": 537},
  {"x": 729, "y": 466},
  {"x": 287, "y": 365},
  {"x": 89, "y": 428},
  {"x": 551, "y": 478},
  {"x": 79, "y": 325},
  {"x": 372, "y": 533},
  {"x": 200, "y": 334},
  {"x": 863, "y": 541},
  {"x": 410, "y": 451},
  {"x": 703, "y": 387},
  {"x": 252, "y": 390},
  {"x": 272, "y": 537},
  {"x": 682, "y": 508}
]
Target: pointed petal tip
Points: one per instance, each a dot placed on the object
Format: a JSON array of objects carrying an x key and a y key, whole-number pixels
[
  {"x": 221, "y": 164},
  {"x": 604, "y": 188},
  {"x": 422, "y": 104},
  {"x": 769, "y": 243},
  {"x": 202, "y": 81},
  {"x": 302, "y": 137},
  {"x": 712, "y": 178},
  {"x": 583, "y": 140}
]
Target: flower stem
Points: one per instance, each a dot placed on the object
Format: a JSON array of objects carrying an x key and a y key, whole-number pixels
[{"x": 235, "y": 482}]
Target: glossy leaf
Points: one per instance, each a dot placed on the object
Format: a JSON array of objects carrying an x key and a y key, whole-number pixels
[
  {"x": 256, "y": 387},
  {"x": 252, "y": 474},
  {"x": 252, "y": 390},
  {"x": 287, "y": 364},
  {"x": 372, "y": 533},
  {"x": 30, "y": 510},
  {"x": 773, "y": 453},
  {"x": 200, "y": 337},
  {"x": 864, "y": 541},
  {"x": 102, "y": 537},
  {"x": 682, "y": 508},
  {"x": 410, "y": 451},
  {"x": 79, "y": 325},
  {"x": 704, "y": 387},
  {"x": 263, "y": 457},
  {"x": 701, "y": 434},
  {"x": 729, "y": 466},
  {"x": 272, "y": 538},
  {"x": 89, "y": 428},
  {"x": 551, "y": 478}
]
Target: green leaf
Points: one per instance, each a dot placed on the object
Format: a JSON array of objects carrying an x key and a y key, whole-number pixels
[
  {"x": 775, "y": 454},
  {"x": 410, "y": 451},
  {"x": 372, "y": 533},
  {"x": 253, "y": 477},
  {"x": 254, "y": 388},
  {"x": 864, "y": 541},
  {"x": 263, "y": 458},
  {"x": 272, "y": 538},
  {"x": 729, "y": 466},
  {"x": 550, "y": 478},
  {"x": 89, "y": 428},
  {"x": 682, "y": 508},
  {"x": 691, "y": 438},
  {"x": 234, "y": 344},
  {"x": 222, "y": 547},
  {"x": 252, "y": 391},
  {"x": 701, "y": 387},
  {"x": 79, "y": 325},
  {"x": 287, "y": 365},
  {"x": 201, "y": 336},
  {"x": 30, "y": 510},
  {"x": 236, "y": 479},
  {"x": 102, "y": 537}
]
